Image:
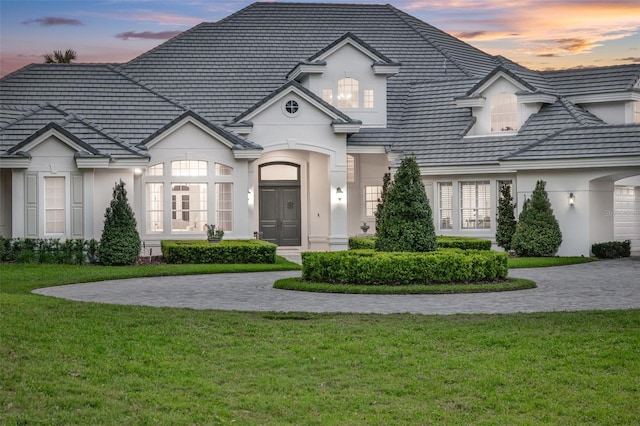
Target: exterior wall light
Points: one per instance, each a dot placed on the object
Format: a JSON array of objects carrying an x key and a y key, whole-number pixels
[
  {"x": 137, "y": 171},
  {"x": 339, "y": 193},
  {"x": 572, "y": 199}
]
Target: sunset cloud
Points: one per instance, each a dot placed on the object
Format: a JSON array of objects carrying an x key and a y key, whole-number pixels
[
  {"x": 149, "y": 35},
  {"x": 538, "y": 28},
  {"x": 51, "y": 21}
]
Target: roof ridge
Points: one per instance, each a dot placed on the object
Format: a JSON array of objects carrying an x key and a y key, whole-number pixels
[
  {"x": 435, "y": 45},
  {"x": 98, "y": 129},
  {"x": 34, "y": 109},
  {"x": 135, "y": 80},
  {"x": 576, "y": 112}
]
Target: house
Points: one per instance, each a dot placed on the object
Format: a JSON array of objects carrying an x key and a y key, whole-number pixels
[{"x": 280, "y": 120}]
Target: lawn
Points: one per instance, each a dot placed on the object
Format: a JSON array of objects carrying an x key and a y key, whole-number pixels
[{"x": 64, "y": 362}]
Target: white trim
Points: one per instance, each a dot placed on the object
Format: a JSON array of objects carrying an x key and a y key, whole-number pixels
[
  {"x": 365, "y": 149},
  {"x": 570, "y": 163},
  {"x": 345, "y": 128},
  {"x": 386, "y": 69},
  {"x": 15, "y": 163},
  {"x": 533, "y": 98},
  {"x": 471, "y": 102},
  {"x": 247, "y": 154},
  {"x": 93, "y": 162},
  {"x": 466, "y": 170},
  {"x": 495, "y": 78},
  {"x": 605, "y": 97}
]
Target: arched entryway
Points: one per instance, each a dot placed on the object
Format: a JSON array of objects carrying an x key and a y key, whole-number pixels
[{"x": 279, "y": 203}]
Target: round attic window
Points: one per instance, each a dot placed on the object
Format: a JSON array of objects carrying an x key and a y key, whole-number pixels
[{"x": 291, "y": 107}]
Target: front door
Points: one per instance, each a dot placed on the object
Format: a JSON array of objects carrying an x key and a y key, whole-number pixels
[
  {"x": 280, "y": 215},
  {"x": 279, "y": 201}
]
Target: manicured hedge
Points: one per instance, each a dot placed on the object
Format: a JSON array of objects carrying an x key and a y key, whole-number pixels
[
  {"x": 382, "y": 268},
  {"x": 49, "y": 250},
  {"x": 465, "y": 243},
  {"x": 612, "y": 249},
  {"x": 227, "y": 251}
]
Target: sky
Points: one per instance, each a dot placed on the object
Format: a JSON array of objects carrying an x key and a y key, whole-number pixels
[{"x": 539, "y": 34}]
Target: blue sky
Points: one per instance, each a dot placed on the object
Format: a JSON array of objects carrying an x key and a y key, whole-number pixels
[{"x": 540, "y": 34}]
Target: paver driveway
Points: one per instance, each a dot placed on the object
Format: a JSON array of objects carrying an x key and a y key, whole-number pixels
[{"x": 603, "y": 285}]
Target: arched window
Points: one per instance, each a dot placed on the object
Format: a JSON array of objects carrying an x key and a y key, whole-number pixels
[
  {"x": 504, "y": 113},
  {"x": 348, "y": 90}
]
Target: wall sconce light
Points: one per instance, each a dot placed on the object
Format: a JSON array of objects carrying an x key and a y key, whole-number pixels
[
  {"x": 339, "y": 193},
  {"x": 137, "y": 171},
  {"x": 572, "y": 199}
]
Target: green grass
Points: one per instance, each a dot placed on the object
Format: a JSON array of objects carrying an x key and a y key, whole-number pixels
[
  {"x": 64, "y": 362},
  {"x": 508, "y": 285},
  {"x": 543, "y": 262}
]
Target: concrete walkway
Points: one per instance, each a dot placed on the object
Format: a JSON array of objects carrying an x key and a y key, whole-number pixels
[{"x": 603, "y": 285}]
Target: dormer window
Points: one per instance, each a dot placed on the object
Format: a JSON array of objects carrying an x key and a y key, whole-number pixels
[
  {"x": 348, "y": 93},
  {"x": 504, "y": 113}
]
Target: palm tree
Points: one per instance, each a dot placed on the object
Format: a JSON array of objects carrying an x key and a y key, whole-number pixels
[{"x": 60, "y": 58}]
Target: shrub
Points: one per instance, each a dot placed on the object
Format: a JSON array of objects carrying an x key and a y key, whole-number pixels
[
  {"x": 227, "y": 251},
  {"x": 356, "y": 243},
  {"x": 612, "y": 249},
  {"x": 31, "y": 250},
  {"x": 379, "y": 268},
  {"x": 464, "y": 243},
  {"x": 506, "y": 223},
  {"x": 405, "y": 221},
  {"x": 538, "y": 233},
  {"x": 120, "y": 241}
]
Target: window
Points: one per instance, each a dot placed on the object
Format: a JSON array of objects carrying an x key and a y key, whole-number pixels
[
  {"x": 351, "y": 169},
  {"x": 291, "y": 107},
  {"x": 222, "y": 170},
  {"x": 188, "y": 168},
  {"x": 446, "y": 205},
  {"x": 504, "y": 113},
  {"x": 368, "y": 98},
  {"x": 55, "y": 217},
  {"x": 224, "y": 206},
  {"x": 188, "y": 206},
  {"x": 348, "y": 91},
  {"x": 475, "y": 201},
  {"x": 327, "y": 96},
  {"x": 155, "y": 215},
  {"x": 157, "y": 170},
  {"x": 372, "y": 196},
  {"x": 636, "y": 112}
]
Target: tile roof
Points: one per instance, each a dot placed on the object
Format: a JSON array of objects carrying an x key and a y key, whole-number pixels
[
  {"x": 219, "y": 72},
  {"x": 594, "y": 80}
]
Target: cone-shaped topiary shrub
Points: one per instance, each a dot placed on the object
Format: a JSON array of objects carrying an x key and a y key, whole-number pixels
[
  {"x": 537, "y": 233},
  {"x": 120, "y": 241},
  {"x": 405, "y": 222},
  {"x": 506, "y": 224}
]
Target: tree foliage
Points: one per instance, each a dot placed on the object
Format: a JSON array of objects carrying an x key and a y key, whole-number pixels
[
  {"x": 405, "y": 221},
  {"x": 120, "y": 241},
  {"x": 506, "y": 223},
  {"x": 57, "y": 57},
  {"x": 538, "y": 232}
]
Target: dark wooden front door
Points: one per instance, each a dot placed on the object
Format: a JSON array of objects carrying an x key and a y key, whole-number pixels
[{"x": 280, "y": 214}]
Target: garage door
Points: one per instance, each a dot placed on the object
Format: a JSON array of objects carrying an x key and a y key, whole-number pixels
[{"x": 627, "y": 215}]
